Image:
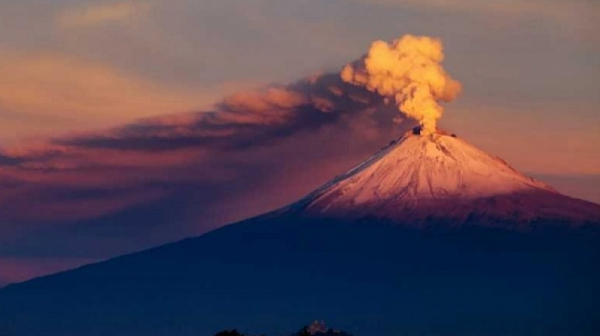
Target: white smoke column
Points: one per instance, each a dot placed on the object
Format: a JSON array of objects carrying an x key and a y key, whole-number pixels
[{"x": 409, "y": 71}]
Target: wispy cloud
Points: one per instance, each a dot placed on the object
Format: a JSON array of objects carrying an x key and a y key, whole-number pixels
[
  {"x": 76, "y": 92},
  {"x": 95, "y": 14}
]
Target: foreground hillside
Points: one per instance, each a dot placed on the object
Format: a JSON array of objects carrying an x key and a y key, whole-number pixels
[{"x": 374, "y": 278}]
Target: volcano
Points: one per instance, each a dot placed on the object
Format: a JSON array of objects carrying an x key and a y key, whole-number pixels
[
  {"x": 439, "y": 178},
  {"x": 430, "y": 236}
]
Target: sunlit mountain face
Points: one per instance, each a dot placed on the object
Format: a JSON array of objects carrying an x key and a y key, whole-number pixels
[
  {"x": 430, "y": 236},
  {"x": 423, "y": 179}
]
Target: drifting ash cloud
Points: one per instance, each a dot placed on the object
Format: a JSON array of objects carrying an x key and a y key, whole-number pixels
[
  {"x": 240, "y": 123},
  {"x": 245, "y": 119}
]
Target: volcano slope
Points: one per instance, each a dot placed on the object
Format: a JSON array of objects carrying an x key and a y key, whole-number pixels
[{"x": 431, "y": 236}]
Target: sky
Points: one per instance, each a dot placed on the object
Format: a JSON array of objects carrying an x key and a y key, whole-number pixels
[{"x": 128, "y": 124}]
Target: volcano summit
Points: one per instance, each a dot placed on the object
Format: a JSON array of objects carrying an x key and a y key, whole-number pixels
[
  {"x": 430, "y": 236},
  {"x": 422, "y": 179}
]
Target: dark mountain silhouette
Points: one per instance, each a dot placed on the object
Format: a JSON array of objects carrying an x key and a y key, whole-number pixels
[
  {"x": 317, "y": 328},
  {"x": 431, "y": 236}
]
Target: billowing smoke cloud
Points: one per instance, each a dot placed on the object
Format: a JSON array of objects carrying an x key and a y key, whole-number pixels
[{"x": 409, "y": 71}]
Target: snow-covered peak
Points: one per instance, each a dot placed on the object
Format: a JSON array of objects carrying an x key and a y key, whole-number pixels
[
  {"x": 440, "y": 178},
  {"x": 435, "y": 179},
  {"x": 424, "y": 167}
]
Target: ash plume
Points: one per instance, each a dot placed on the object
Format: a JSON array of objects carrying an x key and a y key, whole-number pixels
[{"x": 409, "y": 72}]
